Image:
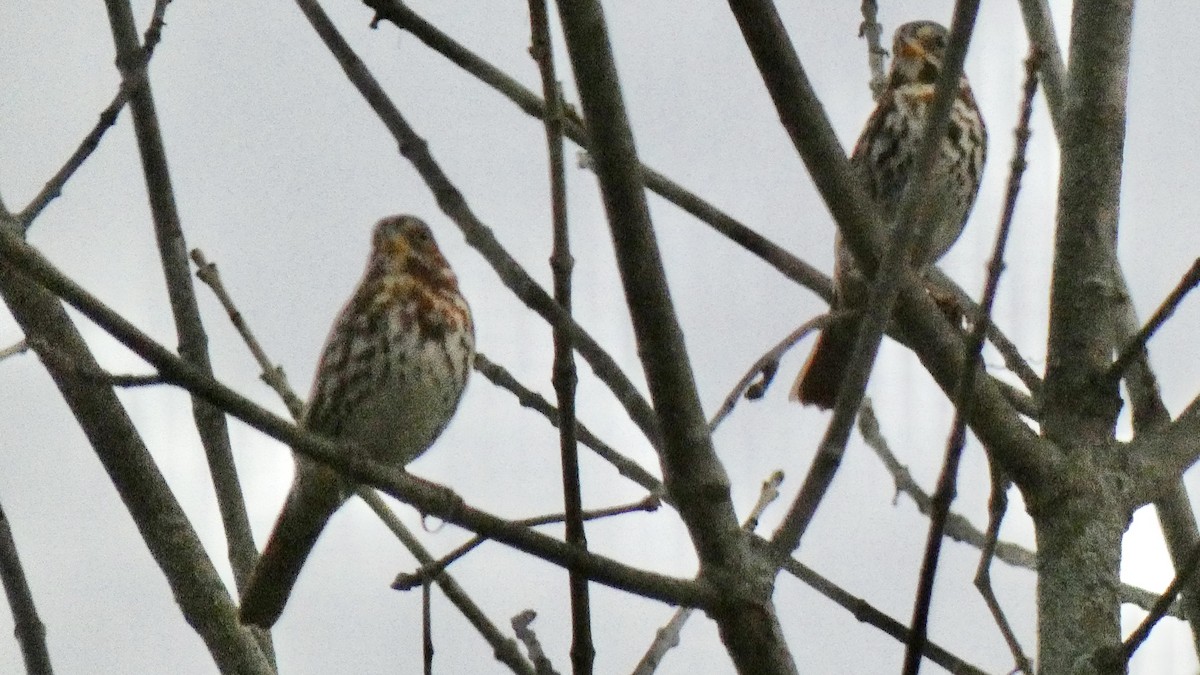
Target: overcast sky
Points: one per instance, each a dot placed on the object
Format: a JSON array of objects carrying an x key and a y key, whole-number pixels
[{"x": 280, "y": 169}]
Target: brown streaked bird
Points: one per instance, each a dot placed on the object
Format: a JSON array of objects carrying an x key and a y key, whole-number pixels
[
  {"x": 389, "y": 380},
  {"x": 883, "y": 156}
]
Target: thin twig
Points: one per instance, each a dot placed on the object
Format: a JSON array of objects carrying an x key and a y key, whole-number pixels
[
  {"x": 1137, "y": 343},
  {"x": 958, "y": 527},
  {"x": 1039, "y": 25},
  {"x": 525, "y": 634},
  {"x": 564, "y": 377},
  {"x": 528, "y": 398},
  {"x": 997, "y": 507},
  {"x": 1159, "y": 610},
  {"x": 873, "y": 32},
  {"x": 427, "y": 626},
  {"x": 69, "y": 367},
  {"x": 108, "y": 117},
  {"x": 754, "y": 383},
  {"x": 944, "y": 494},
  {"x": 19, "y": 347},
  {"x": 1149, "y": 414},
  {"x": 408, "y": 581},
  {"x": 868, "y": 614},
  {"x": 504, "y": 648},
  {"x": 271, "y": 374},
  {"x": 1014, "y": 361}
]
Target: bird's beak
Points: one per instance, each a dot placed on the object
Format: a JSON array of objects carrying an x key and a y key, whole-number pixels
[{"x": 911, "y": 49}]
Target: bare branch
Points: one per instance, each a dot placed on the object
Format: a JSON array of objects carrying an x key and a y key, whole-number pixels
[
  {"x": 408, "y": 581},
  {"x": 165, "y": 528},
  {"x": 504, "y": 648},
  {"x": 1039, "y": 25},
  {"x": 765, "y": 367},
  {"x": 866, "y": 613},
  {"x": 19, "y": 347},
  {"x": 478, "y": 235},
  {"x": 960, "y": 528},
  {"x": 997, "y": 506},
  {"x": 694, "y": 476},
  {"x": 947, "y": 481},
  {"x": 872, "y": 31},
  {"x": 525, "y": 634},
  {"x": 1139, "y": 635},
  {"x": 528, "y": 398},
  {"x": 193, "y": 342},
  {"x": 564, "y": 378},
  {"x": 28, "y": 628},
  {"x": 108, "y": 117},
  {"x": 272, "y": 374},
  {"x": 429, "y": 497},
  {"x": 667, "y": 637},
  {"x": 1137, "y": 344}
]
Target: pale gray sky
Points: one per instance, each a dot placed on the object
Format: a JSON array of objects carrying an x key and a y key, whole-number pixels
[{"x": 280, "y": 170}]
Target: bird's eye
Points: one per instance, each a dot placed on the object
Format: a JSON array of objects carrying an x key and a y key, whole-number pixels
[{"x": 422, "y": 235}]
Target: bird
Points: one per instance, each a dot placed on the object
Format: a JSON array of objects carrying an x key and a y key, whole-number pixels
[
  {"x": 390, "y": 377},
  {"x": 882, "y": 159}
]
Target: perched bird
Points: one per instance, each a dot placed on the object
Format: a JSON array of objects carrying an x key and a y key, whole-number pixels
[
  {"x": 390, "y": 377},
  {"x": 883, "y": 158}
]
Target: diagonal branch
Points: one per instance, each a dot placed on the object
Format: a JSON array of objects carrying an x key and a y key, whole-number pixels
[
  {"x": 108, "y": 117},
  {"x": 782, "y": 260},
  {"x": 777, "y": 257},
  {"x": 946, "y": 487},
  {"x": 23, "y": 263},
  {"x": 194, "y": 582},
  {"x": 27, "y": 627},
  {"x": 1039, "y": 25},
  {"x": 193, "y": 342},
  {"x": 1024, "y": 456},
  {"x": 478, "y": 235},
  {"x": 1136, "y": 344},
  {"x": 695, "y": 479}
]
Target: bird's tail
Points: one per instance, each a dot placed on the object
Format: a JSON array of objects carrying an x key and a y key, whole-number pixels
[
  {"x": 315, "y": 495},
  {"x": 822, "y": 375}
]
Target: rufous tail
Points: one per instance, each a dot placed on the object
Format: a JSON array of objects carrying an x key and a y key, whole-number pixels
[
  {"x": 822, "y": 375},
  {"x": 313, "y": 499}
]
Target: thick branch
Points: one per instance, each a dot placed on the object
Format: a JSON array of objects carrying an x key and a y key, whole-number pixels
[
  {"x": 164, "y": 527},
  {"x": 1080, "y": 404},
  {"x": 695, "y": 479}
]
